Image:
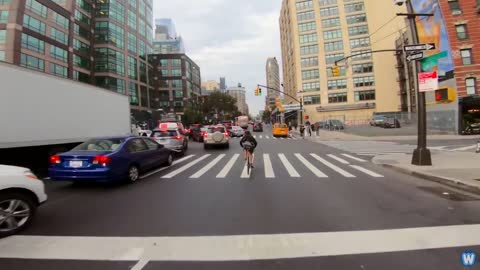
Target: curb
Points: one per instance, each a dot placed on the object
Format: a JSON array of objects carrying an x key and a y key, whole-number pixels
[{"x": 450, "y": 182}]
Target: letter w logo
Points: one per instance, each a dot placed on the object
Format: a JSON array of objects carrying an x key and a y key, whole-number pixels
[{"x": 469, "y": 258}]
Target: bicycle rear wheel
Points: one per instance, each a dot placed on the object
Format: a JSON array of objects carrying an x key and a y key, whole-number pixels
[{"x": 248, "y": 164}]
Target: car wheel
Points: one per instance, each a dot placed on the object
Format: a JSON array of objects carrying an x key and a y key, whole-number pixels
[
  {"x": 169, "y": 160},
  {"x": 17, "y": 212},
  {"x": 227, "y": 146},
  {"x": 133, "y": 173}
]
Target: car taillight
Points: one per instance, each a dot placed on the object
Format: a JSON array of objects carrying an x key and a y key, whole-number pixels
[
  {"x": 101, "y": 160},
  {"x": 226, "y": 134},
  {"x": 178, "y": 138},
  {"x": 205, "y": 134},
  {"x": 55, "y": 159}
]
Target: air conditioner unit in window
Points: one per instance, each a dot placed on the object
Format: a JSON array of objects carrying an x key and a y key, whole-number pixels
[{"x": 456, "y": 12}]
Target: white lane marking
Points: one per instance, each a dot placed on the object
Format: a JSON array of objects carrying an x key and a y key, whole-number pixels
[
  {"x": 293, "y": 138},
  {"x": 341, "y": 160},
  {"x": 261, "y": 137},
  {"x": 238, "y": 247},
  {"x": 354, "y": 158},
  {"x": 437, "y": 148},
  {"x": 464, "y": 148},
  {"x": 268, "y": 166},
  {"x": 274, "y": 138},
  {"x": 164, "y": 168},
  {"x": 310, "y": 166},
  {"x": 291, "y": 170},
  {"x": 224, "y": 172},
  {"x": 140, "y": 264},
  {"x": 374, "y": 174},
  {"x": 185, "y": 167},
  {"x": 282, "y": 138},
  {"x": 255, "y": 136},
  {"x": 244, "y": 171},
  {"x": 333, "y": 167},
  {"x": 208, "y": 167},
  {"x": 267, "y": 137}
]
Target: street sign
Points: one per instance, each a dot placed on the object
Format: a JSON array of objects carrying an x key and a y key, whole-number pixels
[
  {"x": 428, "y": 63},
  {"x": 419, "y": 47},
  {"x": 427, "y": 81},
  {"x": 415, "y": 56}
]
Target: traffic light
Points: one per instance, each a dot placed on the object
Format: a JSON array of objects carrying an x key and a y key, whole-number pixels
[
  {"x": 258, "y": 91},
  {"x": 445, "y": 95},
  {"x": 336, "y": 71}
]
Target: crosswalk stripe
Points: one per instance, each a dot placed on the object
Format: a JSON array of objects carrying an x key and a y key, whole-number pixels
[
  {"x": 164, "y": 168},
  {"x": 291, "y": 170},
  {"x": 255, "y": 136},
  {"x": 354, "y": 158},
  {"x": 208, "y": 166},
  {"x": 268, "y": 166},
  {"x": 310, "y": 166},
  {"x": 341, "y": 160},
  {"x": 333, "y": 167},
  {"x": 267, "y": 137},
  {"x": 261, "y": 137},
  {"x": 374, "y": 174},
  {"x": 274, "y": 138},
  {"x": 185, "y": 167},
  {"x": 464, "y": 148},
  {"x": 223, "y": 173}
]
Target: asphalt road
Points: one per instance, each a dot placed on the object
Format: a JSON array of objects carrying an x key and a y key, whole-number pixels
[{"x": 305, "y": 206}]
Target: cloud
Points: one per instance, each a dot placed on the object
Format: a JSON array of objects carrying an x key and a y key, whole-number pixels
[{"x": 228, "y": 38}]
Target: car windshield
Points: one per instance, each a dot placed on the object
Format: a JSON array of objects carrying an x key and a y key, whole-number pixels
[
  {"x": 164, "y": 133},
  {"x": 100, "y": 145},
  {"x": 216, "y": 129}
]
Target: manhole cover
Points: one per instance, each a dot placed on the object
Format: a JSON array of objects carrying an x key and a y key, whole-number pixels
[{"x": 449, "y": 194}]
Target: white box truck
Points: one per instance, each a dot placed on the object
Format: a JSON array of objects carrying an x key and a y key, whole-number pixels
[{"x": 41, "y": 114}]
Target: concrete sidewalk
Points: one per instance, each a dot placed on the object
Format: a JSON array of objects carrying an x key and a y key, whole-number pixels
[{"x": 458, "y": 169}]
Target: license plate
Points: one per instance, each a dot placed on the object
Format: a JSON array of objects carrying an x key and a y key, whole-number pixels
[{"x": 76, "y": 163}]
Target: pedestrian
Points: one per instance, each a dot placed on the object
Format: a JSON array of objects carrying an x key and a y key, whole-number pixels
[
  {"x": 302, "y": 131},
  {"x": 309, "y": 128}
]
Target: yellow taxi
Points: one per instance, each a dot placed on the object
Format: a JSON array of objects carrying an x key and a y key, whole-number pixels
[{"x": 280, "y": 130}]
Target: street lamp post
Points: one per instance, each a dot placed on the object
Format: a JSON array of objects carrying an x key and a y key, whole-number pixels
[{"x": 292, "y": 97}]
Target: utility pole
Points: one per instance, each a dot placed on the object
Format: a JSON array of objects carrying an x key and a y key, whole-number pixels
[
  {"x": 421, "y": 155},
  {"x": 294, "y": 98}
]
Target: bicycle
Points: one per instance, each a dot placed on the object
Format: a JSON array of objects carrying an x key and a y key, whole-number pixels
[{"x": 249, "y": 165}]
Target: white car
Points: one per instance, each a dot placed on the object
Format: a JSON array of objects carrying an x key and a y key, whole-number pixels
[
  {"x": 216, "y": 135},
  {"x": 20, "y": 194}
]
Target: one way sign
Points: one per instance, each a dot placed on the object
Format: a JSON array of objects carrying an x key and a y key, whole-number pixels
[
  {"x": 419, "y": 47},
  {"x": 414, "y": 56}
]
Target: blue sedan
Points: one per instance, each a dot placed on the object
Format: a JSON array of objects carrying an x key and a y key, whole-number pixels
[{"x": 109, "y": 159}]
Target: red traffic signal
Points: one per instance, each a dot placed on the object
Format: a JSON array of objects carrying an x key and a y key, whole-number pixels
[{"x": 441, "y": 95}]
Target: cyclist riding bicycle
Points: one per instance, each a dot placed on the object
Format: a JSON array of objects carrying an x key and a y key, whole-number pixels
[{"x": 248, "y": 143}]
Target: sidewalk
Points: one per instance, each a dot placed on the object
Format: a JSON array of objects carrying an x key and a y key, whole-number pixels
[{"x": 458, "y": 169}]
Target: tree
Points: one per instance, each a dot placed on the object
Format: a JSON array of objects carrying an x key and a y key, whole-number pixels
[
  {"x": 266, "y": 116},
  {"x": 220, "y": 104}
]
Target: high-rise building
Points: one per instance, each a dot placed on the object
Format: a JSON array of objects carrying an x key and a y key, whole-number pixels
[
  {"x": 317, "y": 33},
  {"x": 166, "y": 39},
  {"x": 223, "y": 85},
  {"x": 105, "y": 44},
  {"x": 273, "y": 80},
  {"x": 239, "y": 94}
]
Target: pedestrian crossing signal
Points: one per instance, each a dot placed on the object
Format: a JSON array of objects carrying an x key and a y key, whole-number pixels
[
  {"x": 336, "y": 71},
  {"x": 445, "y": 95}
]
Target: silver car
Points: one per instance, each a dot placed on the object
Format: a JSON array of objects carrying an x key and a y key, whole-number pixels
[
  {"x": 237, "y": 131},
  {"x": 172, "y": 139},
  {"x": 216, "y": 135}
]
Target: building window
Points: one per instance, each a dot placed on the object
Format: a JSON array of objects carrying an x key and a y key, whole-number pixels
[
  {"x": 3, "y": 36},
  {"x": 176, "y": 62},
  {"x": 113, "y": 9},
  {"x": 358, "y": 18},
  {"x": 176, "y": 72},
  {"x": 143, "y": 72},
  {"x": 81, "y": 77},
  {"x": 109, "y": 60},
  {"x": 165, "y": 72},
  {"x": 164, "y": 83},
  {"x": 84, "y": 33},
  {"x": 34, "y": 24},
  {"x": 133, "y": 93},
  {"x": 141, "y": 28},
  {"x": 337, "y": 84},
  {"x": 343, "y": 72},
  {"x": 359, "y": 43},
  {"x": 132, "y": 43},
  {"x": 37, "y": 8},
  {"x": 309, "y": 62},
  {"x": 114, "y": 84},
  {"x": 163, "y": 62},
  {"x": 82, "y": 62},
  {"x": 177, "y": 83},
  {"x": 79, "y": 16},
  {"x": 332, "y": 34},
  {"x": 331, "y": 58},
  {"x": 141, "y": 7},
  {"x": 2, "y": 55},
  {"x": 363, "y": 81},
  {"x": 461, "y": 31},
  {"x": 142, "y": 49},
  {"x": 32, "y": 62},
  {"x": 58, "y": 53},
  {"x": 5, "y": 2},
  {"x": 59, "y": 36},
  {"x": 4, "y": 16},
  {"x": 362, "y": 68},
  {"x": 334, "y": 46},
  {"x": 108, "y": 32},
  {"x": 454, "y": 6},
  {"x": 355, "y": 7},
  {"x": 33, "y": 44},
  {"x": 358, "y": 30},
  {"x": 361, "y": 55},
  {"x": 365, "y": 95},
  {"x": 327, "y": 2},
  {"x": 80, "y": 46},
  {"x": 178, "y": 93},
  {"x": 132, "y": 68},
  {"x": 304, "y": 5},
  {"x": 303, "y": 16},
  {"x": 132, "y": 20},
  {"x": 331, "y": 22},
  {"x": 337, "y": 98},
  {"x": 310, "y": 49},
  {"x": 466, "y": 56},
  {"x": 310, "y": 74},
  {"x": 311, "y": 100},
  {"x": 84, "y": 5},
  {"x": 329, "y": 11},
  {"x": 308, "y": 38},
  {"x": 471, "y": 86},
  {"x": 58, "y": 70},
  {"x": 311, "y": 86},
  {"x": 133, "y": 3},
  {"x": 304, "y": 27},
  {"x": 60, "y": 20}
]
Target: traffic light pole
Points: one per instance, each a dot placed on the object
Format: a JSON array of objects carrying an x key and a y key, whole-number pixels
[{"x": 279, "y": 91}]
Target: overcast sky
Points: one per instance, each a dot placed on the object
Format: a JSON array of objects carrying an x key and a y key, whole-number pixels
[{"x": 228, "y": 38}]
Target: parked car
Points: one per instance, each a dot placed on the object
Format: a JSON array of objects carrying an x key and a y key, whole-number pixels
[
  {"x": 195, "y": 132},
  {"x": 334, "y": 124},
  {"x": 237, "y": 131},
  {"x": 172, "y": 139},
  {"x": 391, "y": 123},
  {"x": 227, "y": 124},
  {"x": 109, "y": 159},
  {"x": 377, "y": 121},
  {"x": 174, "y": 125},
  {"x": 280, "y": 130},
  {"x": 20, "y": 195},
  {"x": 258, "y": 127},
  {"x": 216, "y": 135}
]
